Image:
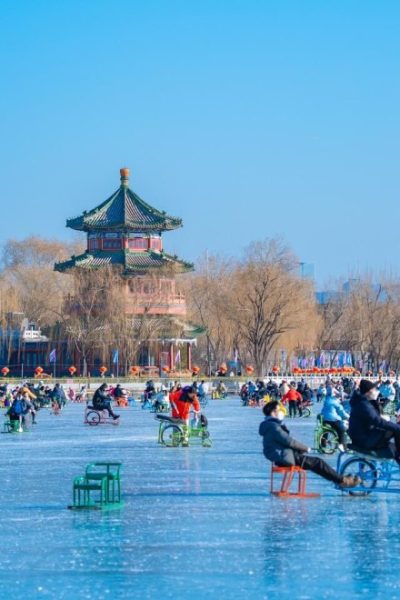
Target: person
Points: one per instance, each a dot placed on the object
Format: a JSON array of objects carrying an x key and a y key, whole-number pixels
[
  {"x": 284, "y": 451},
  {"x": 161, "y": 401},
  {"x": 221, "y": 389},
  {"x": 120, "y": 395},
  {"x": 244, "y": 394},
  {"x": 149, "y": 391},
  {"x": 387, "y": 392},
  {"x": 321, "y": 393},
  {"x": 58, "y": 397},
  {"x": 201, "y": 392},
  {"x": 182, "y": 402},
  {"x": 334, "y": 415},
  {"x": 294, "y": 398},
  {"x": 368, "y": 430},
  {"x": 17, "y": 410},
  {"x": 283, "y": 388},
  {"x": 28, "y": 398},
  {"x": 101, "y": 401}
]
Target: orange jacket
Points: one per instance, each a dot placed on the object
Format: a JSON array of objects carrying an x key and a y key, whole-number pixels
[
  {"x": 292, "y": 395},
  {"x": 180, "y": 409}
]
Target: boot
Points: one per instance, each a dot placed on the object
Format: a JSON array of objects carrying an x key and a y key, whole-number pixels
[{"x": 350, "y": 481}]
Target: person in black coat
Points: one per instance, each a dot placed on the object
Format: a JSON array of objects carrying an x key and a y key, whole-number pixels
[
  {"x": 368, "y": 430},
  {"x": 284, "y": 451},
  {"x": 101, "y": 401}
]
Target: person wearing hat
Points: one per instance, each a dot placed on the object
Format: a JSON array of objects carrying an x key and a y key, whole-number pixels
[
  {"x": 284, "y": 451},
  {"x": 368, "y": 430}
]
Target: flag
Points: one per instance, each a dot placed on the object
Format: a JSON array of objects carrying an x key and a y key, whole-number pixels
[
  {"x": 52, "y": 356},
  {"x": 178, "y": 357},
  {"x": 115, "y": 357}
]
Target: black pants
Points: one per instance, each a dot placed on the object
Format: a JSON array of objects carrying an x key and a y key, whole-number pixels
[
  {"x": 316, "y": 465},
  {"x": 292, "y": 408},
  {"x": 340, "y": 429},
  {"x": 384, "y": 442},
  {"x": 105, "y": 406}
]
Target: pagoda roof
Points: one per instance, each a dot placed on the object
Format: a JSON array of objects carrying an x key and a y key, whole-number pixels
[
  {"x": 131, "y": 262},
  {"x": 124, "y": 211}
]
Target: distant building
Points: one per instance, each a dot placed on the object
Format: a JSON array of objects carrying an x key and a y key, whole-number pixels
[
  {"x": 22, "y": 345},
  {"x": 126, "y": 232}
]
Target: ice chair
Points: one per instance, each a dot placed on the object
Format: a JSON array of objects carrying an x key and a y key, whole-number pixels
[
  {"x": 288, "y": 474},
  {"x": 111, "y": 472},
  {"x": 83, "y": 491}
]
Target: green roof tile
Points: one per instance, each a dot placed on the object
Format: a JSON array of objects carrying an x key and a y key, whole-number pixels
[
  {"x": 124, "y": 211},
  {"x": 131, "y": 262}
]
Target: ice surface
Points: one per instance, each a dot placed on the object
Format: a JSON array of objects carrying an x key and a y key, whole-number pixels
[{"x": 197, "y": 522}]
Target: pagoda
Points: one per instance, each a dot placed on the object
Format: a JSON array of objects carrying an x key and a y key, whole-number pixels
[{"x": 126, "y": 232}]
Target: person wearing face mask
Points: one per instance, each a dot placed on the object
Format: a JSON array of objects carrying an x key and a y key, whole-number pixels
[
  {"x": 368, "y": 430},
  {"x": 284, "y": 451}
]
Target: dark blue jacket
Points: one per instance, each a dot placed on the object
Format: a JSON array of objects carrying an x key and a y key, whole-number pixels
[
  {"x": 278, "y": 445},
  {"x": 366, "y": 426}
]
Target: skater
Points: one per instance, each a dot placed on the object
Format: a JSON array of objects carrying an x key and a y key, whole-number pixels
[{"x": 284, "y": 451}]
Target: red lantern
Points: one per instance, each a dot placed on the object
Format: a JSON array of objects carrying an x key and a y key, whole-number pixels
[
  {"x": 103, "y": 370},
  {"x": 72, "y": 370},
  {"x": 38, "y": 370},
  {"x": 134, "y": 370},
  {"x": 195, "y": 370},
  {"x": 275, "y": 369},
  {"x": 5, "y": 371},
  {"x": 249, "y": 369},
  {"x": 223, "y": 368},
  {"x": 166, "y": 369}
]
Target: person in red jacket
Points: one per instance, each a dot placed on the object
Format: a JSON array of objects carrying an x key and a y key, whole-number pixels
[
  {"x": 182, "y": 402},
  {"x": 294, "y": 398}
]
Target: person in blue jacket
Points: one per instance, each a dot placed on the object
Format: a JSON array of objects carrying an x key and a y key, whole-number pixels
[
  {"x": 368, "y": 430},
  {"x": 333, "y": 414}
]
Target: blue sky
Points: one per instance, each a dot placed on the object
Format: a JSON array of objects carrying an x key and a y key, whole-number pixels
[{"x": 247, "y": 119}]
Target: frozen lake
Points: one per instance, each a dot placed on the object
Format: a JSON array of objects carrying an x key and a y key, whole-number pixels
[{"x": 197, "y": 522}]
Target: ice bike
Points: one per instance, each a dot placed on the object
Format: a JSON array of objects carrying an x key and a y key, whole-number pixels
[
  {"x": 378, "y": 473},
  {"x": 174, "y": 432},
  {"x": 95, "y": 416},
  {"x": 326, "y": 439}
]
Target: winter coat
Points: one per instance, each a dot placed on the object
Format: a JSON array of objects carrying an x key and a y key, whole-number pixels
[
  {"x": 366, "y": 426},
  {"x": 387, "y": 391},
  {"x": 333, "y": 410},
  {"x": 100, "y": 398},
  {"x": 278, "y": 445}
]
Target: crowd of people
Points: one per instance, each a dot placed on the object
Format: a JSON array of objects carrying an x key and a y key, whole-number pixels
[{"x": 355, "y": 410}]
